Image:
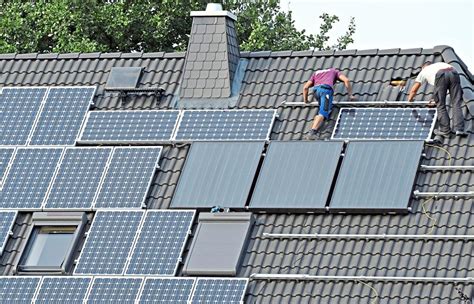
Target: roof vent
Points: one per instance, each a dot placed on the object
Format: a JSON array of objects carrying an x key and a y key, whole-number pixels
[{"x": 214, "y": 7}]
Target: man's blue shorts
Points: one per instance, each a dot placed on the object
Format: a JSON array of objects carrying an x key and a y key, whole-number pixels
[{"x": 324, "y": 94}]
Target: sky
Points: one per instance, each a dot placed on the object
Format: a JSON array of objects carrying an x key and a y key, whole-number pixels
[{"x": 382, "y": 24}]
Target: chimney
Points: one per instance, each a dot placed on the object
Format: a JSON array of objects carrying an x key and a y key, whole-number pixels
[{"x": 212, "y": 56}]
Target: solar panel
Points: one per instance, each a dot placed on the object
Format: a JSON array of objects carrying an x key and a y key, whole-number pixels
[
  {"x": 20, "y": 107},
  {"x": 385, "y": 123},
  {"x": 117, "y": 127},
  {"x": 166, "y": 290},
  {"x": 7, "y": 220},
  {"x": 296, "y": 175},
  {"x": 109, "y": 242},
  {"x": 160, "y": 242},
  {"x": 219, "y": 290},
  {"x": 217, "y": 174},
  {"x": 63, "y": 290},
  {"x": 19, "y": 289},
  {"x": 128, "y": 177},
  {"x": 62, "y": 116},
  {"x": 5, "y": 157},
  {"x": 114, "y": 290},
  {"x": 29, "y": 177},
  {"x": 225, "y": 125},
  {"x": 78, "y": 178},
  {"x": 376, "y": 176}
]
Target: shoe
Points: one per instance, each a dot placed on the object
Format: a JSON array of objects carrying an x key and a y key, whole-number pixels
[
  {"x": 461, "y": 133},
  {"x": 310, "y": 136},
  {"x": 438, "y": 140}
]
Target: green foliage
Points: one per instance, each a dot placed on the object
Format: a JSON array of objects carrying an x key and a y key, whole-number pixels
[{"x": 146, "y": 25}]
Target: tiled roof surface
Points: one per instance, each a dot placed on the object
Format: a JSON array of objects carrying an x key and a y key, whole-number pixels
[{"x": 271, "y": 78}]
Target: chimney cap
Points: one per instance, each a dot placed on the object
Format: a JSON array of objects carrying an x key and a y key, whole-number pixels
[{"x": 213, "y": 10}]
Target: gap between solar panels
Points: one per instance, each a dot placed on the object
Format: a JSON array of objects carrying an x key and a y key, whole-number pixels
[
  {"x": 95, "y": 289},
  {"x": 168, "y": 126}
]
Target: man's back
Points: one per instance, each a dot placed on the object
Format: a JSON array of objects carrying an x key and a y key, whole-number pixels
[
  {"x": 328, "y": 77},
  {"x": 428, "y": 73}
]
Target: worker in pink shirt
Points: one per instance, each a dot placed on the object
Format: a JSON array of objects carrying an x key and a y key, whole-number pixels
[{"x": 322, "y": 82}]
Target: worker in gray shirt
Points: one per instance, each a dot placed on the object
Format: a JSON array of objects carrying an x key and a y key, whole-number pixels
[{"x": 443, "y": 77}]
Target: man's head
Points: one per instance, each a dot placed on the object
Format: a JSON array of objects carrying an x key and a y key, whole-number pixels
[{"x": 424, "y": 65}]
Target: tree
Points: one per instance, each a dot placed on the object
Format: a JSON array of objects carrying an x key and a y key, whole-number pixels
[{"x": 146, "y": 25}]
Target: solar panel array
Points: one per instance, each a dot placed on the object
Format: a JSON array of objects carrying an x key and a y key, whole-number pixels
[
  {"x": 7, "y": 219},
  {"x": 160, "y": 243},
  {"x": 6, "y": 155},
  {"x": 167, "y": 290},
  {"x": 78, "y": 178},
  {"x": 114, "y": 290},
  {"x": 62, "y": 115},
  {"x": 219, "y": 290},
  {"x": 109, "y": 242},
  {"x": 225, "y": 125},
  {"x": 384, "y": 123},
  {"x": 115, "y": 127},
  {"x": 118, "y": 242},
  {"x": 68, "y": 290},
  {"x": 29, "y": 177},
  {"x": 20, "y": 107},
  {"x": 19, "y": 289},
  {"x": 128, "y": 177}
]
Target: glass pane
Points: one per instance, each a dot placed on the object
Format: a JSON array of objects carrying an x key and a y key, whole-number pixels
[{"x": 50, "y": 246}]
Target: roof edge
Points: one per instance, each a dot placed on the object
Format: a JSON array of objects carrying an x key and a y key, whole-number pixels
[{"x": 94, "y": 55}]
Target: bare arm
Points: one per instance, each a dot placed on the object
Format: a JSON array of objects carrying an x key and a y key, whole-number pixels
[
  {"x": 306, "y": 87},
  {"x": 413, "y": 91},
  {"x": 347, "y": 84}
]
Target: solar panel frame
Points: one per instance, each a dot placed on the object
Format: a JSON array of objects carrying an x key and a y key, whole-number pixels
[
  {"x": 183, "y": 244},
  {"x": 40, "y": 115},
  {"x": 182, "y": 117},
  {"x": 8, "y": 226},
  {"x": 25, "y": 141},
  {"x": 81, "y": 139},
  {"x": 155, "y": 297},
  {"x": 56, "y": 167},
  {"x": 53, "y": 182},
  {"x": 150, "y": 180},
  {"x": 227, "y": 301},
  {"x": 435, "y": 119},
  {"x": 22, "y": 292},
  {"x": 65, "y": 278},
  {"x": 118, "y": 278},
  {"x": 86, "y": 242},
  {"x": 4, "y": 172}
]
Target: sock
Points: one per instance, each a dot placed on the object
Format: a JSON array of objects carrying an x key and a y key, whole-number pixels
[{"x": 313, "y": 131}]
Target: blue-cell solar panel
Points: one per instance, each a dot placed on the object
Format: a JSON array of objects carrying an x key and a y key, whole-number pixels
[
  {"x": 20, "y": 107},
  {"x": 219, "y": 290},
  {"x": 62, "y": 116},
  {"x": 70, "y": 290},
  {"x": 160, "y": 243},
  {"x": 7, "y": 219},
  {"x": 78, "y": 178},
  {"x": 385, "y": 123},
  {"x": 29, "y": 177},
  {"x": 5, "y": 157},
  {"x": 109, "y": 242},
  {"x": 225, "y": 125},
  {"x": 18, "y": 290},
  {"x": 129, "y": 126},
  {"x": 114, "y": 290},
  {"x": 128, "y": 178},
  {"x": 166, "y": 290}
]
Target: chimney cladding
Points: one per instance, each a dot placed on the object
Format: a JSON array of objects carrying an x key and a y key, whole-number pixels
[{"x": 212, "y": 55}]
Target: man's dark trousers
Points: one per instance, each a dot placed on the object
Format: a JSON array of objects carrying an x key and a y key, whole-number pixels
[{"x": 448, "y": 80}]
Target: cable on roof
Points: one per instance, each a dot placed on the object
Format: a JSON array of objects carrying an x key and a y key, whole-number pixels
[
  {"x": 423, "y": 205},
  {"x": 374, "y": 301}
]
